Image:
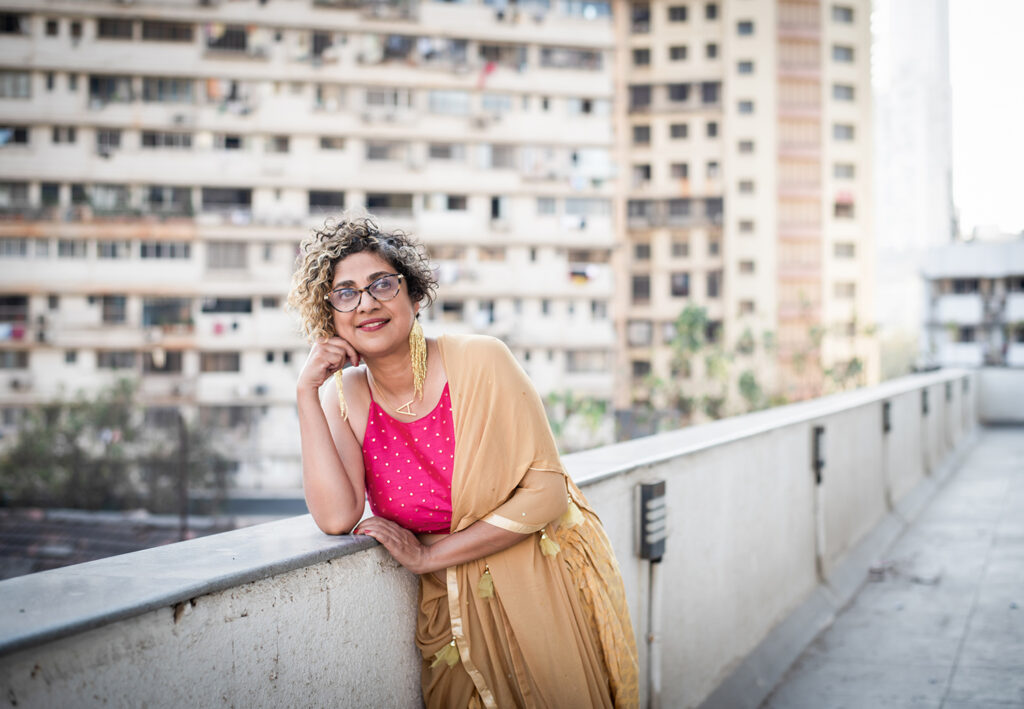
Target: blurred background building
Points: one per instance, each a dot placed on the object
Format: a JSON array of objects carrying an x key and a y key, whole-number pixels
[
  {"x": 913, "y": 167},
  {"x": 162, "y": 160},
  {"x": 746, "y": 146}
]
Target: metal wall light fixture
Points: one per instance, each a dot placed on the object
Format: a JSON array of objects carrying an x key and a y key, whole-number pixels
[
  {"x": 818, "y": 452},
  {"x": 886, "y": 416}
]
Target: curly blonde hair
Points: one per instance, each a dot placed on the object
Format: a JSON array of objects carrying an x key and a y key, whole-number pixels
[{"x": 320, "y": 252}]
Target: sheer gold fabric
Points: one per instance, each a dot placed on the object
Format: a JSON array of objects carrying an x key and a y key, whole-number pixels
[{"x": 556, "y": 632}]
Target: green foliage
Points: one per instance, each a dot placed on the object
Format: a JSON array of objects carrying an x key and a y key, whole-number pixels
[
  {"x": 563, "y": 407},
  {"x": 96, "y": 454}
]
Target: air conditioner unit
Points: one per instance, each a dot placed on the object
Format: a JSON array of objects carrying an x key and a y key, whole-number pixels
[
  {"x": 261, "y": 390},
  {"x": 20, "y": 383},
  {"x": 480, "y": 121}
]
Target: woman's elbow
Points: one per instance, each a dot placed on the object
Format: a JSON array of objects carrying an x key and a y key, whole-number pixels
[{"x": 336, "y": 524}]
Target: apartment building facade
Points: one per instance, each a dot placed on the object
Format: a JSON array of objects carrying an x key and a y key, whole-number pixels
[
  {"x": 747, "y": 170},
  {"x": 160, "y": 162}
]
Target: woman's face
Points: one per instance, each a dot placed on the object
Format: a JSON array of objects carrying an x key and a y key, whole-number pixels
[{"x": 374, "y": 327}]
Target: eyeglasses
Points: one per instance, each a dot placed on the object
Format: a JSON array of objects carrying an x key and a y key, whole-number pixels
[{"x": 345, "y": 300}]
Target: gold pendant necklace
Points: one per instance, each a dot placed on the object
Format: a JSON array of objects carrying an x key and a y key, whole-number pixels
[{"x": 404, "y": 409}]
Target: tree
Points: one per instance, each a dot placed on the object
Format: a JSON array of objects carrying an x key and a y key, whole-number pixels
[{"x": 97, "y": 454}]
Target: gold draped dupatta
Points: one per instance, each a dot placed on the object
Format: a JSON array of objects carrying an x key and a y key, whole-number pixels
[{"x": 555, "y": 629}]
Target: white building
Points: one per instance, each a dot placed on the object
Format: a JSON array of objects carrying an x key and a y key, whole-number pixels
[
  {"x": 160, "y": 161},
  {"x": 975, "y": 304}
]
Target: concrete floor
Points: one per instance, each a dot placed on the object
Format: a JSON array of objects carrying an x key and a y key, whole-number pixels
[{"x": 940, "y": 624}]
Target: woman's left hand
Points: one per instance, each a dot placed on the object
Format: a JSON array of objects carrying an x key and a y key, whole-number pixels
[{"x": 399, "y": 541}]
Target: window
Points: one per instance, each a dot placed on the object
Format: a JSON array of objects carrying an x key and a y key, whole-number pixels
[
  {"x": 714, "y": 284},
  {"x": 166, "y": 139},
  {"x": 326, "y": 201},
  {"x": 680, "y": 170},
  {"x": 332, "y": 142},
  {"x": 680, "y": 247},
  {"x": 52, "y": 28},
  {"x": 226, "y": 255},
  {"x": 51, "y": 80},
  {"x": 546, "y": 206},
  {"x": 711, "y": 50},
  {"x": 161, "y": 362},
  {"x": 456, "y": 203},
  {"x": 680, "y": 284},
  {"x": 746, "y": 226},
  {"x": 642, "y": 252},
  {"x": 228, "y": 38},
  {"x": 13, "y": 247},
  {"x": 158, "y": 31},
  {"x": 641, "y": 175},
  {"x": 677, "y": 52},
  {"x": 710, "y": 91},
  {"x": 220, "y": 362},
  {"x": 641, "y": 57},
  {"x": 677, "y": 13},
  {"x": 113, "y": 309},
  {"x": 747, "y": 267},
  {"x": 640, "y": 368},
  {"x": 844, "y": 250},
  {"x": 236, "y": 305},
  {"x": 278, "y": 144},
  {"x": 966, "y": 285},
  {"x": 845, "y": 290},
  {"x": 641, "y": 135},
  {"x": 114, "y": 359},
  {"x": 842, "y": 54},
  {"x": 746, "y": 186},
  {"x": 745, "y": 107},
  {"x": 745, "y": 146},
  {"x": 745, "y": 28},
  {"x": 842, "y": 92},
  {"x": 14, "y": 135},
  {"x": 113, "y": 28},
  {"x": 711, "y": 170},
  {"x": 165, "y": 199},
  {"x": 107, "y": 249},
  {"x": 711, "y": 11},
  {"x": 105, "y": 88},
  {"x": 70, "y": 248},
  {"x": 564, "y": 58},
  {"x": 63, "y": 134},
  {"x": 964, "y": 334},
  {"x": 226, "y": 199},
  {"x": 392, "y": 204},
  {"x": 76, "y": 29},
  {"x": 744, "y": 66},
  {"x": 15, "y": 84},
  {"x": 107, "y": 140},
  {"x": 639, "y": 332},
  {"x": 678, "y": 93},
  {"x": 678, "y": 131},
  {"x": 446, "y": 151},
  {"x": 640, "y": 16},
  {"x": 228, "y": 141},
  {"x": 586, "y": 361},
  {"x": 165, "y": 89},
  {"x": 842, "y": 131},
  {"x": 843, "y": 210},
  {"x": 747, "y": 307},
  {"x": 842, "y": 14},
  {"x": 14, "y": 194},
  {"x": 165, "y": 249},
  {"x": 639, "y": 97},
  {"x": 641, "y": 289},
  {"x": 712, "y": 129},
  {"x": 843, "y": 171},
  {"x": 385, "y": 150},
  {"x": 227, "y": 305}
]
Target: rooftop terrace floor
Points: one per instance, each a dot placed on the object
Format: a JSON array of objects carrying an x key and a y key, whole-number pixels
[{"x": 940, "y": 622}]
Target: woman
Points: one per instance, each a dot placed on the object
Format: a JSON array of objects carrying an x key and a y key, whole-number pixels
[{"x": 521, "y": 601}]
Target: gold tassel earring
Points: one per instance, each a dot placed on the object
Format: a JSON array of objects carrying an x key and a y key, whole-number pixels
[
  {"x": 341, "y": 394},
  {"x": 418, "y": 353}
]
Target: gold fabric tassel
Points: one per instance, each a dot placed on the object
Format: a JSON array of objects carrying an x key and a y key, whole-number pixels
[
  {"x": 449, "y": 653},
  {"x": 341, "y": 394},
  {"x": 485, "y": 587},
  {"x": 548, "y": 546},
  {"x": 418, "y": 355},
  {"x": 571, "y": 517}
]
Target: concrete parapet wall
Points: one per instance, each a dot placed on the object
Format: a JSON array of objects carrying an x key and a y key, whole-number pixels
[{"x": 282, "y": 615}]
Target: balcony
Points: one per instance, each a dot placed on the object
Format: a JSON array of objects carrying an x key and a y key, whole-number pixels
[{"x": 775, "y": 520}]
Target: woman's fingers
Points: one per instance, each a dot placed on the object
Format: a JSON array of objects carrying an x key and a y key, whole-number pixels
[
  {"x": 345, "y": 348},
  {"x": 400, "y": 542}
]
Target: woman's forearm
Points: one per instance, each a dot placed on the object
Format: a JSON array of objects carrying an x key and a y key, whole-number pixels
[
  {"x": 474, "y": 542},
  {"x": 330, "y": 495}
]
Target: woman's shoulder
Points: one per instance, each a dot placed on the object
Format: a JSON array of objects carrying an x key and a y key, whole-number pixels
[{"x": 475, "y": 346}]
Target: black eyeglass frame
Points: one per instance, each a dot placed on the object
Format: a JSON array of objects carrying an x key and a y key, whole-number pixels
[{"x": 366, "y": 289}]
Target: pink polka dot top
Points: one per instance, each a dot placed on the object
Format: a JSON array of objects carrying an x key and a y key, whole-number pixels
[{"x": 408, "y": 467}]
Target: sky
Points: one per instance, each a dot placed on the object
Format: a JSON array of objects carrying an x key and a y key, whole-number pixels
[{"x": 987, "y": 75}]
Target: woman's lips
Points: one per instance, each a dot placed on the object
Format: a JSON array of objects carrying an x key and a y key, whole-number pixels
[{"x": 372, "y": 325}]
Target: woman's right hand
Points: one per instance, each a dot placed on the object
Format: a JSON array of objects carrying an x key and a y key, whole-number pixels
[{"x": 326, "y": 358}]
